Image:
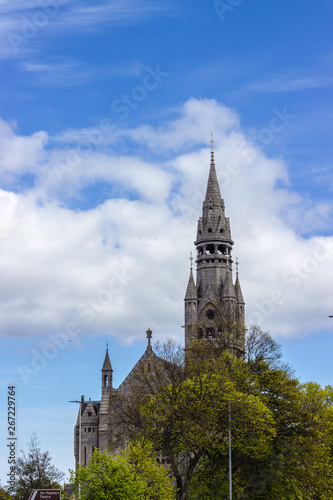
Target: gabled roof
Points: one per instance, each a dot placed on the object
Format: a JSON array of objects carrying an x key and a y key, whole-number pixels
[
  {"x": 209, "y": 293},
  {"x": 147, "y": 356}
]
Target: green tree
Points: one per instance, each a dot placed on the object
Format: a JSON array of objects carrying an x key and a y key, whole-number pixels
[
  {"x": 4, "y": 495},
  {"x": 134, "y": 473},
  {"x": 282, "y": 431},
  {"x": 298, "y": 464},
  {"x": 185, "y": 411},
  {"x": 191, "y": 422},
  {"x": 35, "y": 471}
]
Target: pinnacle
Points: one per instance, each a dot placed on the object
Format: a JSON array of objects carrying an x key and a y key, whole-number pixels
[
  {"x": 238, "y": 291},
  {"x": 228, "y": 287},
  {"x": 107, "y": 363},
  {"x": 213, "y": 193},
  {"x": 191, "y": 291}
]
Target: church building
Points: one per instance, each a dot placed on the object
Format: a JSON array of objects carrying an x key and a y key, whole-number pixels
[{"x": 213, "y": 291}]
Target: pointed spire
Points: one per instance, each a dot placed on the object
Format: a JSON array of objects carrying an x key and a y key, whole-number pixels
[
  {"x": 238, "y": 290},
  {"x": 213, "y": 189},
  {"x": 228, "y": 291},
  {"x": 191, "y": 291},
  {"x": 107, "y": 363}
]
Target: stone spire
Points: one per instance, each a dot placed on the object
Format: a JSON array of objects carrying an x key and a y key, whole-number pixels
[
  {"x": 228, "y": 291},
  {"x": 214, "y": 283},
  {"x": 238, "y": 290},
  {"x": 213, "y": 193},
  {"x": 213, "y": 238},
  {"x": 191, "y": 291},
  {"x": 107, "y": 373},
  {"x": 107, "y": 363},
  {"x": 228, "y": 287}
]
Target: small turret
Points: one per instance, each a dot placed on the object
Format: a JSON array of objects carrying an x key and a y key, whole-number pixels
[
  {"x": 239, "y": 297},
  {"x": 191, "y": 306},
  {"x": 107, "y": 373},
  {"x": 105, "y": 400}
]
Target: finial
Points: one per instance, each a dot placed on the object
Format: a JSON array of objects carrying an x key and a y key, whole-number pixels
[
  {"x": 191, "y": 259},
  {"x": 227, "y": 255},
  {"x": 149, "y": 335},
  {"x": 237, "y": 263},
  {"x": 211, "y": 140},
  {"x": 107, "y": 345}
]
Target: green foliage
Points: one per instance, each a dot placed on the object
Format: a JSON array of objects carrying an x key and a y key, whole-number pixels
[
  {"x": 281, "y": 430},
  {"x": 35, "y": 471},
  {"x": 4, "y": 495},
  {"x": 132, "y": 474},
  {"x": 298, "y": 461}
]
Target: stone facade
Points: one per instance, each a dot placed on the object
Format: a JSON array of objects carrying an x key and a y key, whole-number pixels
[
  {"x": 96, "y": 416},
  {"x": 214, "y": 291}
]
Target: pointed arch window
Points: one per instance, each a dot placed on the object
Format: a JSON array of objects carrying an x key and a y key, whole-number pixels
[{"x": 106, "y": 381}]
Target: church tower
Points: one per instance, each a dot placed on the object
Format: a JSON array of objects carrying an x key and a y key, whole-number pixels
[
  {"x": 214, "y": 292},
  {"x": 105, "y": 401}
]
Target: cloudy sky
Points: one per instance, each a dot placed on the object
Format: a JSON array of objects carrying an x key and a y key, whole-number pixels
[{"x": 106, "y": 110}]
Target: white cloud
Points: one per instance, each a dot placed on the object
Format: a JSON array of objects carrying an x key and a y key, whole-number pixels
[
  {"x": 20, "y": 154},
  {"x": 290, "y": 83},
  {"x": 22, "y": 22},
  {"x": 122, "y": 266}
]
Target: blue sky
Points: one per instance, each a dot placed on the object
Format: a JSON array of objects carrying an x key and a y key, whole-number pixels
[{"x": 106, "y": 110}]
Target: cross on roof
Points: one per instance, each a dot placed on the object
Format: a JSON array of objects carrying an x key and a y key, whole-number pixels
[
  {"x": 149, "y": 335},
  {"x": 191, "y": 259}
]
